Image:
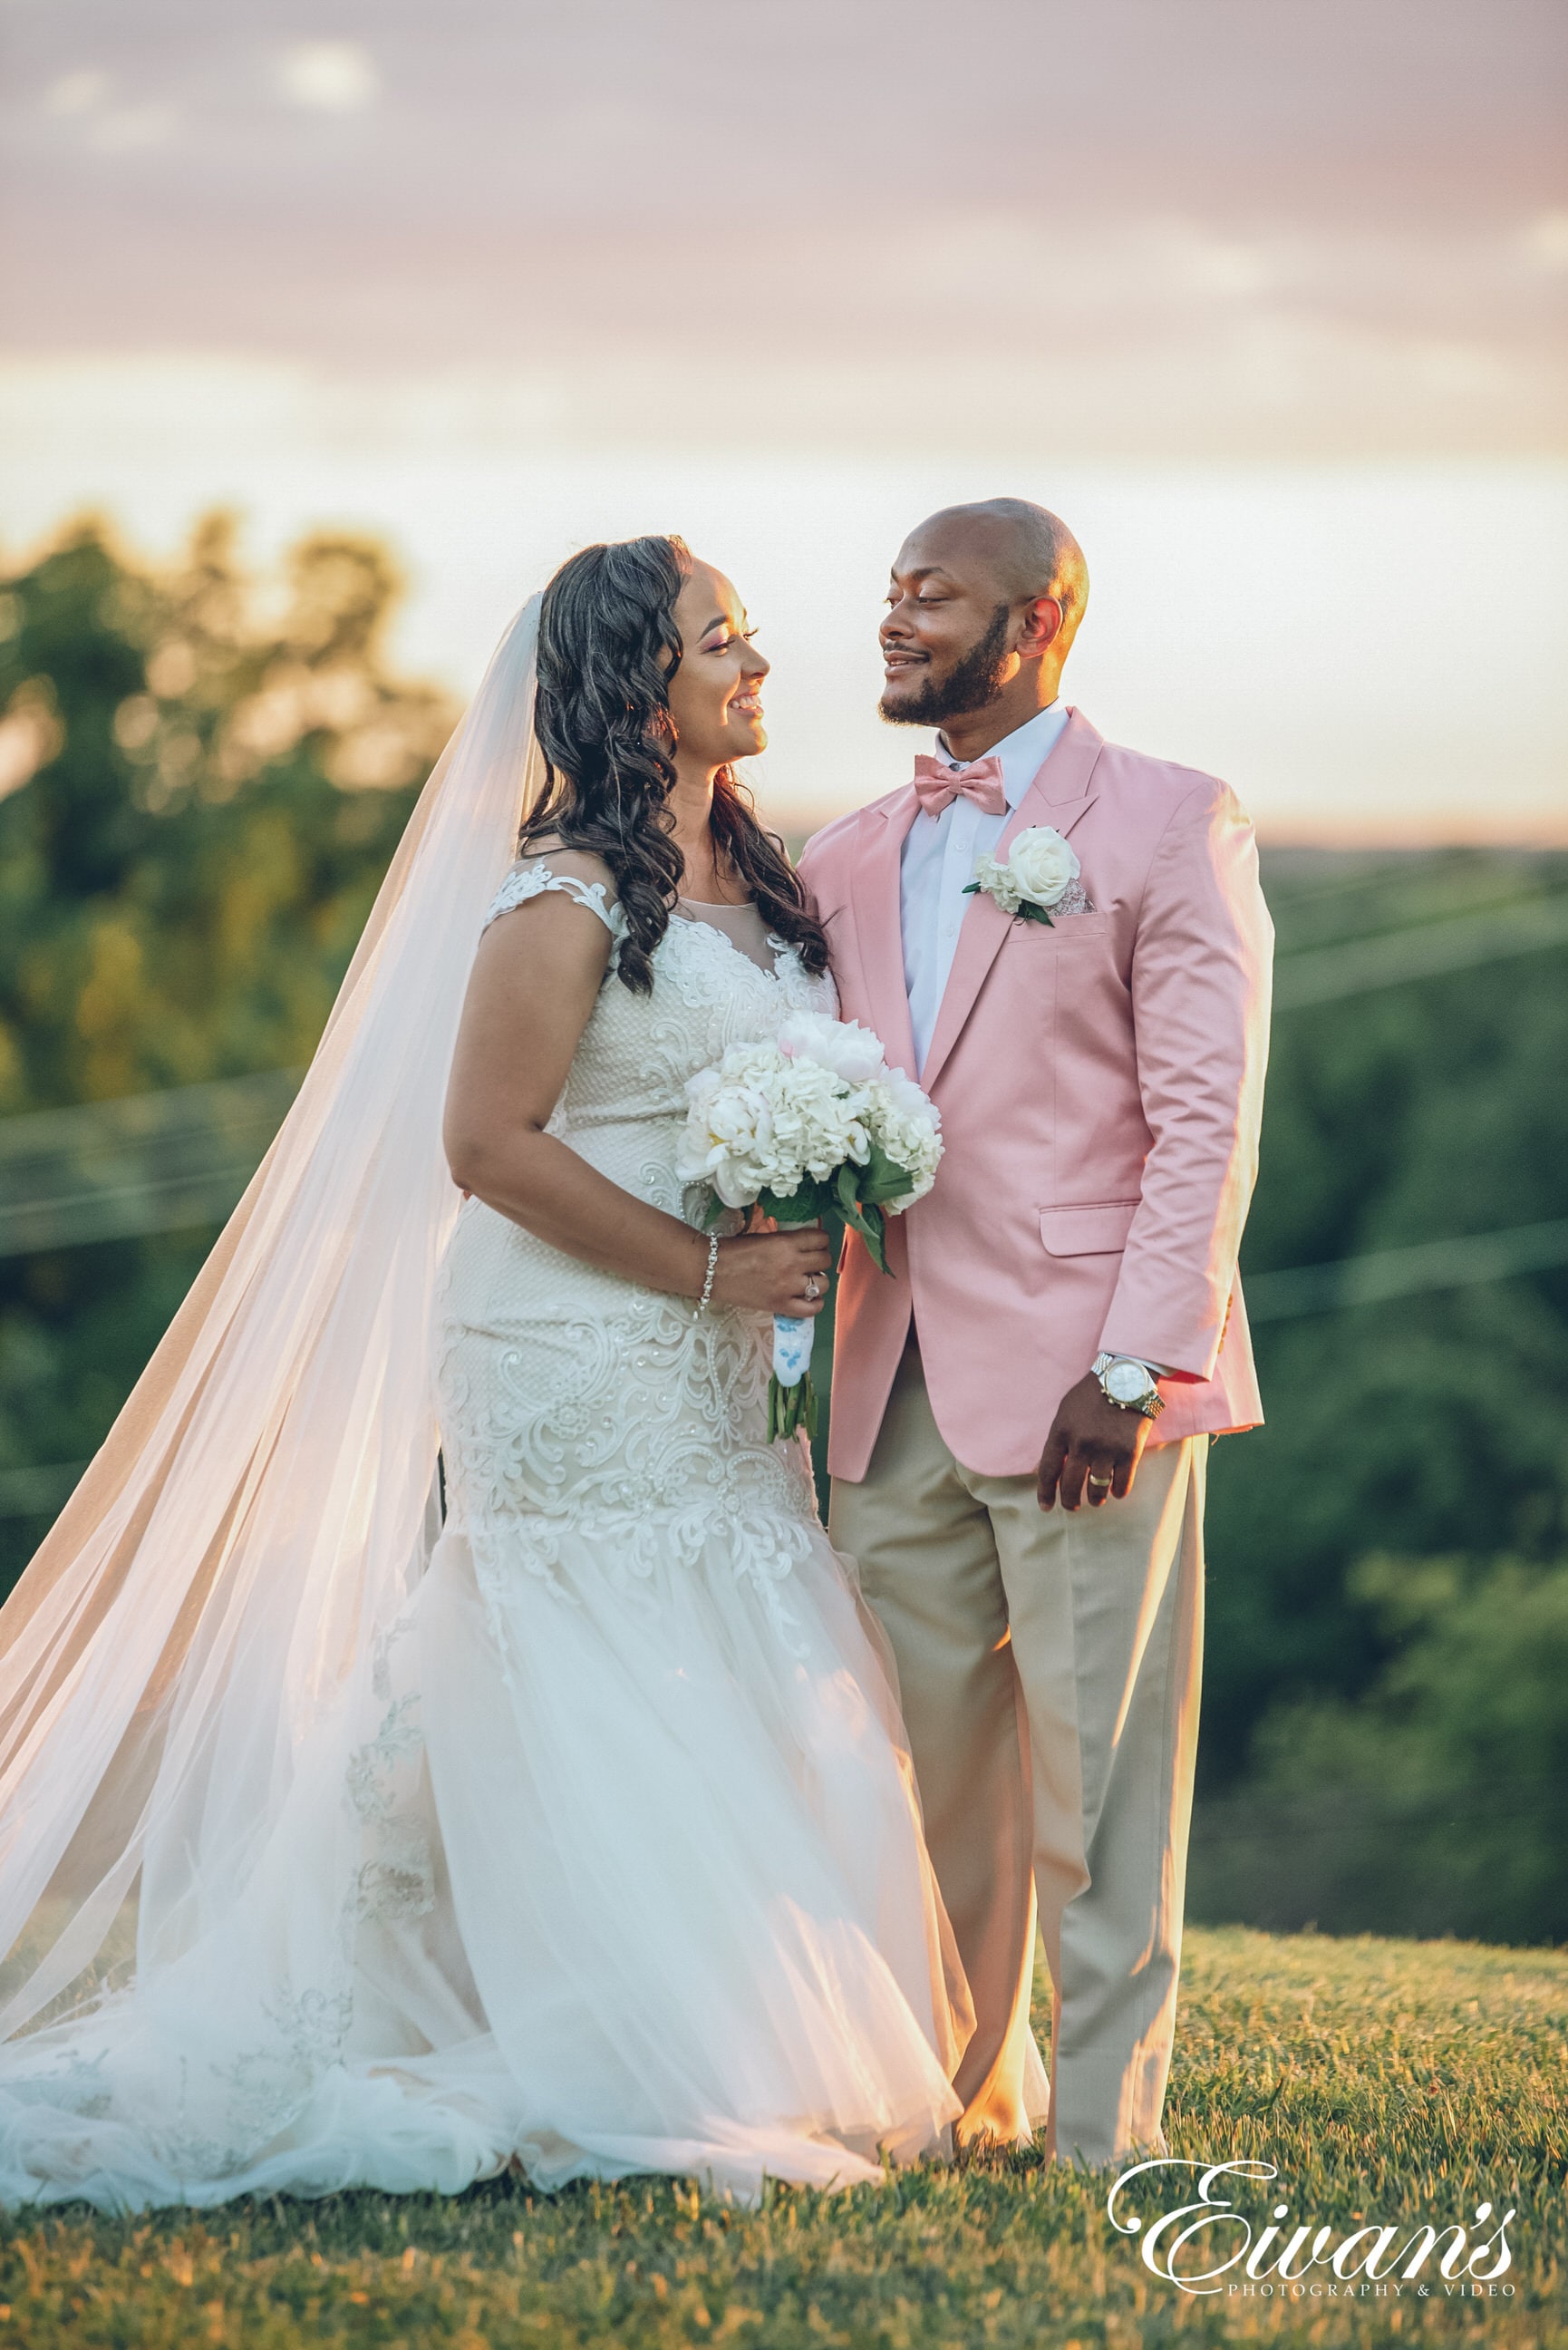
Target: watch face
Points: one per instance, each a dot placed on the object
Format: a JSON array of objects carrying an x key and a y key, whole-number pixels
[{"x": 1128, "y": 1382}]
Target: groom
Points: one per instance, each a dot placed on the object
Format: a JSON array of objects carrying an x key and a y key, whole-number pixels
[{"x": 1022, "y": 1414}]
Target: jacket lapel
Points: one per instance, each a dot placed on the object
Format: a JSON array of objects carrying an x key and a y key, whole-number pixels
[
  {"x": 874, "y": 888},
  {"x": 1060, "y": 795}
]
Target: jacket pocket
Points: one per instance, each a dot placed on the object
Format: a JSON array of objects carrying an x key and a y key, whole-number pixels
[
  {"x": 1063, "y": 930},
  {"x": 1099, "y": 1230}
]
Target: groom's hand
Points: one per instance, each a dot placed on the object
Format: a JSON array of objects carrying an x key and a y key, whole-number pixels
[{"x": 1093, "y": 1451}]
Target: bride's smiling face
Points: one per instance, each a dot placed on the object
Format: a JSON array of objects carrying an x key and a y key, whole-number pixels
[{"x": 714, "y": 697}]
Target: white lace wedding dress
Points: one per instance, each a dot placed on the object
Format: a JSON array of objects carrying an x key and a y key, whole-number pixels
[{"x": 639, "y": 1881}]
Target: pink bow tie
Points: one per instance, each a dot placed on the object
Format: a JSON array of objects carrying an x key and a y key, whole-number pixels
[{"x": 937, "y": 785}]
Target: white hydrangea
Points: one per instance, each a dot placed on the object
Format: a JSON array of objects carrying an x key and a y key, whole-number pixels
[
  {"x": 762, "y": 1122},
  {"x": 773, "y": 1114},
  {"x": 908, "y": 1125}
]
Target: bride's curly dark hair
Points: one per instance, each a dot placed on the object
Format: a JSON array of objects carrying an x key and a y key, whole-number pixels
[{"x": 607, "y": 629}]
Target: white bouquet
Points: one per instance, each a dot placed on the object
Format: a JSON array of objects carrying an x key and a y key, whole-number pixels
[{"x": 812, "y": 1126}]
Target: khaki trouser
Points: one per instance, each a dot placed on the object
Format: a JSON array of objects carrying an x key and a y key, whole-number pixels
[{"x": 1049, "y": 1666}]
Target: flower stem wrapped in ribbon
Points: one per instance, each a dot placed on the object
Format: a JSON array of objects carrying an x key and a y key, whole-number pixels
[{"x": 811, "y": 1127}]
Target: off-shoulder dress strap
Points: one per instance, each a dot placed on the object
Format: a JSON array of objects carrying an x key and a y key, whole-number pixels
[{"x": 526, "y": 881}]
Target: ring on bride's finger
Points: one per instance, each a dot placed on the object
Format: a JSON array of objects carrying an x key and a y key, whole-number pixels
[
  {"x": 1099, "y": 1484},
  {"x": 812, "y": 1290}
]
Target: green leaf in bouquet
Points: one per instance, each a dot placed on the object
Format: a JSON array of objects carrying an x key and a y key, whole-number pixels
[
  {"x": 846, "y": 1194},
  {"x": 802, "y": 1207},
  {"x": 882, "y": 1179},
  {"x": 868, "y": 1221}
]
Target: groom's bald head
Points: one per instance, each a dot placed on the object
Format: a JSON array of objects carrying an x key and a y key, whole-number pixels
[
  {"x": 984, "y": 602},
  {"x": 1024, "y": 549}
]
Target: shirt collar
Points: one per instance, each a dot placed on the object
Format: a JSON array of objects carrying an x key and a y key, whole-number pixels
[{"x": 1023, "y": 753}]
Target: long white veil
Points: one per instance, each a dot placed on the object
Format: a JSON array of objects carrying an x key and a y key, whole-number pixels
[{"x": 263, "y": 1504}]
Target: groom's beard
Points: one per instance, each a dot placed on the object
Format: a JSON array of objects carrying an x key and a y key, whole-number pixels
[{"x": 974, "y": 684}]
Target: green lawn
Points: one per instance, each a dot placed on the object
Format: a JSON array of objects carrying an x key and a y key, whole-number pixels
[{"x": 1388, "y": 2082}]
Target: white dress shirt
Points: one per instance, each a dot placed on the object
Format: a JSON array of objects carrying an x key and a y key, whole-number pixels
[{"x": 937, "y": 866}]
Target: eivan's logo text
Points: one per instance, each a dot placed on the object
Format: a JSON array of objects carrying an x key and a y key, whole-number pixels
[{"x": 1208, "y": 2246}]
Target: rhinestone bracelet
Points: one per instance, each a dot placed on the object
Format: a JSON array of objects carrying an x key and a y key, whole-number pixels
[{"x": 702, "y": 1303}]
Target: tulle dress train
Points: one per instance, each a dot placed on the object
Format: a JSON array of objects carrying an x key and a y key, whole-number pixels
[{"x": 622, "y": 1797}]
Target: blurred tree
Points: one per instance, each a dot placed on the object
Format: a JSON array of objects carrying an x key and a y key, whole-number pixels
[
  {"x": 206, "y": 776},
  {"x": 1431, "y": 1803},
  {"x": 186, "y": 869},
  {"x": 1425, "y": 1425}
]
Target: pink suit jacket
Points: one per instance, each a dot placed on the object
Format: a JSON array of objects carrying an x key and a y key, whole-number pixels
[{"x": 1100, "y": 1083}]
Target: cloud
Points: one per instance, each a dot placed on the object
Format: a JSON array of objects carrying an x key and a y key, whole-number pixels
[
  {"x": 127, "y": 129},
  {"x": 1545, "y": 241},
  {"x": 82, "y": 97},
  {"x": 328, "y": 77},
  {"x": 76, "y": 93},
  {"x": 1339, "y": 233}
]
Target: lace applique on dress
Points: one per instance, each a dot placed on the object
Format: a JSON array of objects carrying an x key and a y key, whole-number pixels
[
  {"x": 528, "y": 881},
  {"x": 395, "y": 1878},
  {"x": 584, "y": 1416}
]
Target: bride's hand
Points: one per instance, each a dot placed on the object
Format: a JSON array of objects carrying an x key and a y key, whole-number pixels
[{"x": 768, "y": 1272}]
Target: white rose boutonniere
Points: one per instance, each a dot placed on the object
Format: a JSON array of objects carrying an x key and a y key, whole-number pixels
[{"x": 1039, "y": 872}]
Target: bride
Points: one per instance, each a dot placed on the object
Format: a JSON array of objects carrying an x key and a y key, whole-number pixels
[{"x": 375, "y": 1818}]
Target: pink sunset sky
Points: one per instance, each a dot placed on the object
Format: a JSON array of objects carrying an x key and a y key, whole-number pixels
[{"x": 1268, "y": 297}]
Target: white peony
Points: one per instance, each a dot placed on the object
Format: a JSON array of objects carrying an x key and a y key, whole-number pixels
[{"x": 850, "y": 1051}]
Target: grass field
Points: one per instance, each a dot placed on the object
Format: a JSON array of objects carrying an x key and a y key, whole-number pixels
[{"x": 1388, "y": 2082}]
